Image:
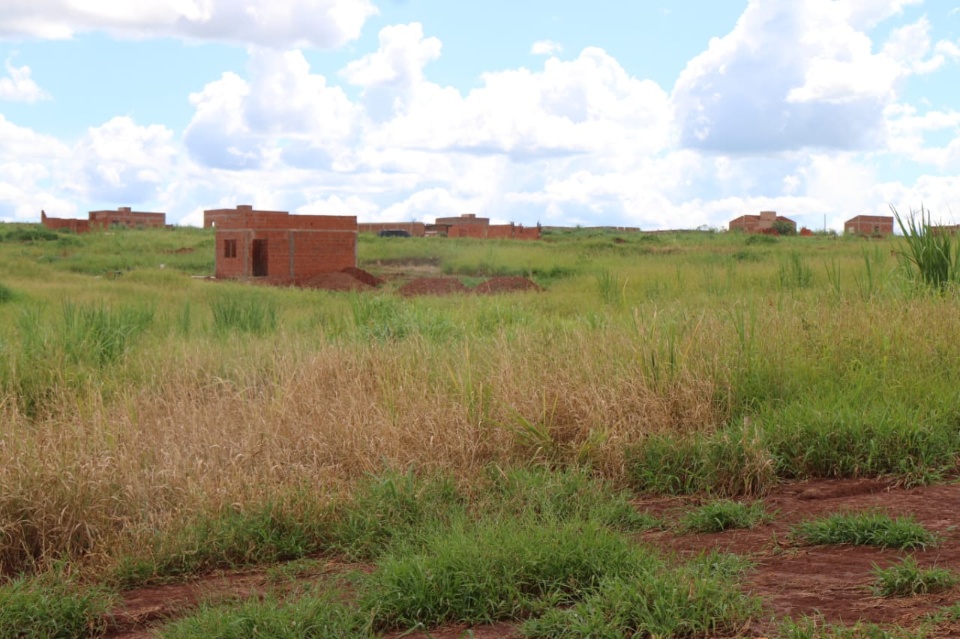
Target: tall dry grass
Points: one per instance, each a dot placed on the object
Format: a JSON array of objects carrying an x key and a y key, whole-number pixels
[{"x": 217, "y": 428}]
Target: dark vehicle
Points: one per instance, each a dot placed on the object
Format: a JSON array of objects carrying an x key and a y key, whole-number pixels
[{"x": 394, "y": 233}]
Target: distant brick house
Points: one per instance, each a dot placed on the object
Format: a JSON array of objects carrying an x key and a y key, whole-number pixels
[
  {"x": 945, "y": 229},
  {"x": 415, "y": 229},
  {"x": 469, "y": 225},
  {"x": 872, "y": 225},
  {"x": 122, "y": 217},
  {"x": 763, "y": 223},
  {"x": 281, "y": 248}
]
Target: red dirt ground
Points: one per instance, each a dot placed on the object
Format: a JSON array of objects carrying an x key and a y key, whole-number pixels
[
  {"x": 791, "y": 580},
  {"x": 506, "y": 285},
  {"x": 432, "y": 286},
  {"x": 336, "y": 282}
]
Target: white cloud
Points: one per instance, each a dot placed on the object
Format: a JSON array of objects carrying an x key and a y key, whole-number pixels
[
  {"x": 124, "y": 162},
  {"x": 272, "y": 23},
  {"x": 19, "y": 86},
  {"x": 546, "y": 47},
  {"x": 795, "y": 74}
]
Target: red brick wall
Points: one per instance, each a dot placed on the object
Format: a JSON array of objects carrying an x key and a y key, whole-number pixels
[
  {"x": 125, "y": 217},
  {"x": 56, "y": 223}
]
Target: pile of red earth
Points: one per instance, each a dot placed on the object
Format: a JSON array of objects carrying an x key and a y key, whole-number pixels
[
  {"x": 349, "y": 279},
  {"x": 367, "y": 278},
  {"x": 433, "y": 286},
  {"x": 506, "y": 285}
]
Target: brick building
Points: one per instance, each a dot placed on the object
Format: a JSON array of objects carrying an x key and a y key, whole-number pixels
[
  {"x": 279, "y": 247},
  {"x": 122, "y": 217},
  {"x": 125, "y": 218},
  {"x": 469, "y": 225},
  {"x": 68, "y": 223},
  {"x": 873, "y": 225},
  {"x": 763, "y": 223},
  {"x": 415, "y": 229}
]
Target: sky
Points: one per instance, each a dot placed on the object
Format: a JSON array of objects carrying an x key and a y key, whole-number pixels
[{"x": 649, "y": 113}]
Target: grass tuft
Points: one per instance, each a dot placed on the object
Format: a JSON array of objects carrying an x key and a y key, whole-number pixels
[
  {"x": 934, "y": 257},
  {"x": 724, "y": 515},
  {"x": 696, "y": 599},
  {"x": 907, "y": 578},
  {"x": 496, "y": 570},
  {"x": 865, "y": 529},
  {"x": 309, "y": 617}
]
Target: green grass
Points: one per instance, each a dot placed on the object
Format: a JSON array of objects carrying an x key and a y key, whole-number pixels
[
  {"x": 817, "y": 628},
  {"x": 495, "y": 570},
  {"x": 6, "y": 294},
  {"x": 258, "y": 534},
  {"x": 309, "y": 617},
  {"x": 723, "y": 515},
  {"x": 907, "y": 578},
  {"x": 865, "y": 529},
  {"x": 52, "y": 606},
  {"x": 659, "y": 600},
  {"x": 248, "y": 312}
]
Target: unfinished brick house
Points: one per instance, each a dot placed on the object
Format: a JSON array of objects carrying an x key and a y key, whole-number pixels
[
  {"x": 415, "y": 229},
  {"x": 763, "y": 223},
  {"x": 125, "y": 218},
  {"x": 279, "y": 248},
  {"x": 871, "y": 225},
  {"x": 469, "y": 225},
  {"x": 122, "y": 217},
  {"x": 68, "y": 223}
]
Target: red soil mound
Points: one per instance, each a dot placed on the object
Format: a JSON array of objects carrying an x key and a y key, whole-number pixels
[
  {"x": 367, "y": 278},
  {"x": 336, "y": 282},
  {"x": 506, "y": 285},
  {"x": 432, "y": 286}
]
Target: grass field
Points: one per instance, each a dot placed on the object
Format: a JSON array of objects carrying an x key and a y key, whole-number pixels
[{"x": 156, "y": 424}]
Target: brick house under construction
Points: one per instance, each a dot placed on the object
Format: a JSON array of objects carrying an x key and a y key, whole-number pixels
[
  {"x": 872, "y": 225},
  {"x": 280, "y": 248},
  {"x": 763, "y": 223},
  {"x": 469, "y": 225},
  {"x": 123, "y": 217}
]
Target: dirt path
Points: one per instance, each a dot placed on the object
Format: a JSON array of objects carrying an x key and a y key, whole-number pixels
[{"x": 791, "y": 580}]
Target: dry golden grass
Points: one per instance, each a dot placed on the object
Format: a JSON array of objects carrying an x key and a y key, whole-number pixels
[{"x": 214, "y": 428}]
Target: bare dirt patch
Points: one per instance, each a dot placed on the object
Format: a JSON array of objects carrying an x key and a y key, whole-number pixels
[
  {"x": 794, "y": 580},
  {"x": 791, "y": 579}
]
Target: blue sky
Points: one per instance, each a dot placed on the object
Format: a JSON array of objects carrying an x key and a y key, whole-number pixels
[{"x": 653, "y": 114}]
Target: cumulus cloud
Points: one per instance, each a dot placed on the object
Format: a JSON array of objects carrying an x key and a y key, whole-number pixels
[
  {"x": 283, "y": 112},
  {"x": 546, "y": 47},
  {"x": 272, "y": 23},
  {"x": 799, "y": 74},
  {"x": 28, "y": 161},
  {"x": 124, "y": 162},
  {"x": 19, "y": 86}
]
